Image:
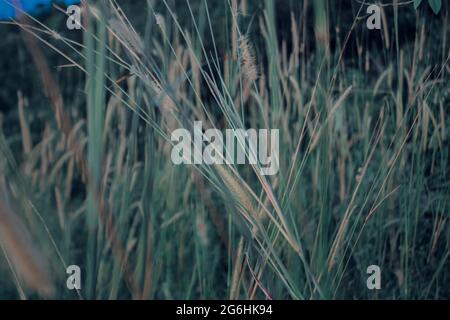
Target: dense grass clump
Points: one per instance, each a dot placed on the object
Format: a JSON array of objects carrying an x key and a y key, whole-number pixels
[{"x": 86, "y": 170}]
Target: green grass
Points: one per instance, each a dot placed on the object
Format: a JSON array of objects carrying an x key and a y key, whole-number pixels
[{"x": 364, "y": 155}]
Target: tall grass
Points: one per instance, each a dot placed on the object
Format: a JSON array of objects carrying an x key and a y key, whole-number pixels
[{"x": 363, "y": 157}]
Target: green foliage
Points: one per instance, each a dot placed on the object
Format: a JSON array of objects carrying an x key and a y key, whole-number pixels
[
  {"x": 364, "y": 155},
  {"x": 434, "y": 4}
]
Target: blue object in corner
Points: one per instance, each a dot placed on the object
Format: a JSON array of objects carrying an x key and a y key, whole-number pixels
[{"x": 34, "y": 7}]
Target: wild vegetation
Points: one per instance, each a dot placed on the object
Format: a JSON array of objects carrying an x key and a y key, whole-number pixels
[{"x": 86, "y": 177}]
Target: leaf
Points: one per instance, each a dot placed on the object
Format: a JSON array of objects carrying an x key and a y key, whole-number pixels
[
  {"x": 417, "y": 3},
  {"x": 435, "y": 5}
]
